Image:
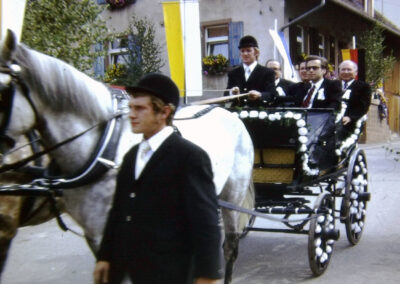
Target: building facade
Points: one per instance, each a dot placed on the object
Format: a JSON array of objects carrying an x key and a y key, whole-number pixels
[{"x": 322, "y": 27}]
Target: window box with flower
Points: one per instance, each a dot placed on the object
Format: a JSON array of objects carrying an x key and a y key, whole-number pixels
[{"x": 215, "y": 65}]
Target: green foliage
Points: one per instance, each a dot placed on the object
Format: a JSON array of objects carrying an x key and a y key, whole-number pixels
[
  {"x": 66, "y": 29},
  {"x": 215, "y": 64},
  {"x": 143, "y": 53},
  {"x": 378, "y": 66},
  {"x": 115, "y": 74}
]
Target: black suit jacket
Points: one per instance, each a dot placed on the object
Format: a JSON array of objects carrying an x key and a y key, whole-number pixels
[
  {"x": 359, "y": 100},
  {"x": 285, "y": 85},
  {"x": 166, "y": 222},
  {"x": 288, "y": 99},
  {"x": 262, "y": 79},
  {"x": 330, "y": 95}
]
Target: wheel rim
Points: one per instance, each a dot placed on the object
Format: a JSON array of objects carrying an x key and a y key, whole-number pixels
[
  {"x": 321, "y": 236},
  {"x": 355, "y": 200}
]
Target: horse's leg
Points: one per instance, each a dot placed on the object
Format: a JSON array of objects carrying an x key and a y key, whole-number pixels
[
  {"x": 232, "y": 225},
  {"x": 231, "y": 242},
  {"x": 237, "y": 190},
  {"x": 9, "y": 221}
]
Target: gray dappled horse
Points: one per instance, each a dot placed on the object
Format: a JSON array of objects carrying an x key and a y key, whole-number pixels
[{"x": 59, "y": 101}]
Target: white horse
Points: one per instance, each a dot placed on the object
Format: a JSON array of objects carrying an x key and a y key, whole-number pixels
[{"x": 59, "y": 101}]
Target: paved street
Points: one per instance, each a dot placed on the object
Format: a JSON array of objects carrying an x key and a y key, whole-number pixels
[{"x": 46, "y": 255}]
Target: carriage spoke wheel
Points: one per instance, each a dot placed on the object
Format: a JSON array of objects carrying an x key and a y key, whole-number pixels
[
  {"x": 354, "y": 202},
  {"x": 322, "y": 234}
]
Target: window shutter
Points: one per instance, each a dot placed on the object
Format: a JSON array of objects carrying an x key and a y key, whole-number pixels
[
  {"x": 99, "y": 61},
  {"x": 134, "y": 49},
  {"x": 235, "y": 34}
]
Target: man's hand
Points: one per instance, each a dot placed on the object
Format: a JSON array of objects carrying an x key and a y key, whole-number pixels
[
  {"x": 346, "y": 120},
  {"x": 254, "y": 95},
  {"x": 206, "y": 281},
  {"x": 101, "y": 272},
  {"x": 235, "y": 91}
]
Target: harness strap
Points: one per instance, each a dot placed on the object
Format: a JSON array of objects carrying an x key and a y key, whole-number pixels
[
  {"x": 231, "y": 206},
  {"x": 199, "y": 113},
  {"x": 19, "y": 164}
]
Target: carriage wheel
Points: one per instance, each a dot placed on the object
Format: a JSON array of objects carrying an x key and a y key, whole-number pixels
[
  {"x": 322, "y": 235},
  {"x": 354, "y": 203},
  {"x": 249, "y": 225}
]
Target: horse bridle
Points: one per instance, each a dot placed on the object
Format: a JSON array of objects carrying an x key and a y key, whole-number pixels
[{"x": 7, "y": 94}]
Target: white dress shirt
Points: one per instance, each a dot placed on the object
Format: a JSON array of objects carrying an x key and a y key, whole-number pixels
[
  {"x": 148, "y": 147},
  {"x": 317, "y": 86}
]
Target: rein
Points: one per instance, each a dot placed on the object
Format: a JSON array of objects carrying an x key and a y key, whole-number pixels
[
  {"x": 23, "y": 162},
  {"x": 199, "y": 113}
]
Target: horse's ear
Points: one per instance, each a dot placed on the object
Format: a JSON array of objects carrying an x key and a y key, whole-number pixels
[{"x": 9, "y": 45}]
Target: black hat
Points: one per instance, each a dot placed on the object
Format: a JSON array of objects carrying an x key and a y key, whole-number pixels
[
  {"x": 159, "y": 86},
  {"x": 248, "y": 41}
]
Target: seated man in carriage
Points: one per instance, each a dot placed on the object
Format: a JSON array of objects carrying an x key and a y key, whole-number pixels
[
  {"x": 250, "y": 77},
  {"x": 323, "y": 93},
  {"x": 356, "y": 96}
]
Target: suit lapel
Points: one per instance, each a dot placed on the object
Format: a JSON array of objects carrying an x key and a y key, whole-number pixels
[
  {"x": 253, "y": 74},
  {"x": 158, "y": 155}
]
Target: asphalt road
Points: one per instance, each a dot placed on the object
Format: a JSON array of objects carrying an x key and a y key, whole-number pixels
[{"x": 46, "y": 255}]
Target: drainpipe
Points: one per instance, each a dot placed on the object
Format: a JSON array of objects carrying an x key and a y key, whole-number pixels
[{"x": 323, "y": 2}]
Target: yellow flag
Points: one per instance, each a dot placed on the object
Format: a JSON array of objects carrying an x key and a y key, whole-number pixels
[
  {"x": 173, "y": 33},
  {"x": 346, "y": 54}
]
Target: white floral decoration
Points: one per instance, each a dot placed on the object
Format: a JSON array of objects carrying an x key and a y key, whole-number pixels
[
  {"x": 262, "y": 115},
  {"x": 321, "y": 95},
  {"x": 244, "y": 114},
  {"x": 352, "y": 138},
  {"x": 340, "y": 114},
  {"x": 253, "y": 114},
  {"x": 302, "y": 131}
]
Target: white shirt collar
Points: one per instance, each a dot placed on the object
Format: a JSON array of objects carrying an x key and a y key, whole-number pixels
[
  {"x": 157, "y": 139},
  {"x": 348, "y": 83},
  {"x": 318, "y": 84},
  {"x": 251, "y": 66},
  {"x": 277, "y": 81}
]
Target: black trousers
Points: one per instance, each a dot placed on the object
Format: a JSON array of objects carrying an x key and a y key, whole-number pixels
[{"x": 163, "y": 269}]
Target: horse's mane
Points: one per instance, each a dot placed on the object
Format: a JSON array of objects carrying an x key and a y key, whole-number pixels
[{"x": 62, "y": 87}]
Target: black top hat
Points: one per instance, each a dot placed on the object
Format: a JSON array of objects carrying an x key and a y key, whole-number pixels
[
  {"x": 248, "y": 41},
  {"x": 159, "y": 86}
]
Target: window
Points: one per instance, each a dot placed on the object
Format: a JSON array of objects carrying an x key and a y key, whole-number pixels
[
  {"x": 321, "y": 44},
  {"x": 332, "y": 50},
  {"x": 216, "y": 40},
  {"x": 118, "y": 48},
  {"x": 299, "y": 33}
]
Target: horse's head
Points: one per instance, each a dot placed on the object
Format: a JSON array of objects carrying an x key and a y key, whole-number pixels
[{"x": 17, "y": 111}]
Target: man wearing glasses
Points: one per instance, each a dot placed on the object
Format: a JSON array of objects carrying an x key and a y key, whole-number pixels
[{"x": 323, "y": 93}]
